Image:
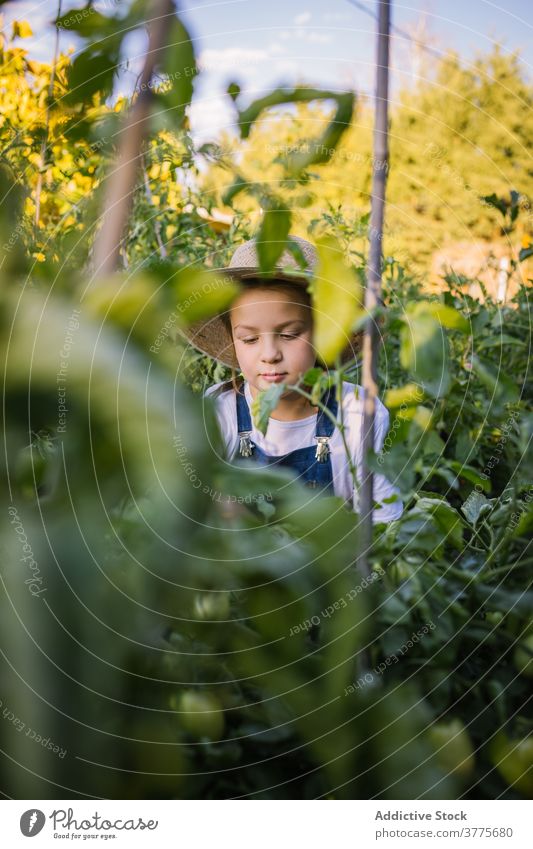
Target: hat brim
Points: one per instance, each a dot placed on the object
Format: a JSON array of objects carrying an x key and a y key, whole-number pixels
[
  {"x": 292, "y": 275},
  {"x": 210, "y": 336}
]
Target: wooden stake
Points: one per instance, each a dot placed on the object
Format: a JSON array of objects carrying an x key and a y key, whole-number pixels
[
  {"x": 373, "y": 279},
  {"x": 121, "y": 181}
]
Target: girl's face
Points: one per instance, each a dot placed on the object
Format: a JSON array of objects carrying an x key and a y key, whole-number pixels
[{"x": 272, "y": 335}]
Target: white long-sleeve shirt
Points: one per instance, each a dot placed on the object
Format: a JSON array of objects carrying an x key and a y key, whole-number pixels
[{"x": 283, "y": 437}]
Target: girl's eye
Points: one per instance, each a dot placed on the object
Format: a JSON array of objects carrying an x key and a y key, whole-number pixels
[{"x": 249, "y": 340}]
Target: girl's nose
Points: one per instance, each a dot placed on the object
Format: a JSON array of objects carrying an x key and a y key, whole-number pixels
[{"x": 270, "y": 350}]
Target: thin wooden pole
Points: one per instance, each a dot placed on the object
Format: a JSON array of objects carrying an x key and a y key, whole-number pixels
[
  {"x": 121, "y": 182},
  {"x": 373, "y": 278}
]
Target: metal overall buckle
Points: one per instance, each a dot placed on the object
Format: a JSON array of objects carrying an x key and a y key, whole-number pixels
[
  {"x": 322, "y": 449},
  {"x": 245, "y": 444}
]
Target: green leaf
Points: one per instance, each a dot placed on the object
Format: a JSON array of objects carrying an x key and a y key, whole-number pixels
[
  {"x": 498, "y": 203},
  {"x": 179, "y": 66},
  {"x": 469, "y": 474},
  {"x": 324, "y": 382},
  {"x": 272, "y": 237},
  {"x": 323, "y": 148},
  {"x": 321, "y": 521},
  {"x": 86, "y": 22},
  {"x": 411, "y": 395},
  {"x": 446, "y": 518},
  {"x": 525, "y": 523},
  {"x": 264, "y": 404},
  {"x": 496, "y": 598},
  {"x": 237, "y": 186},
  {"x": 502, "y": 388},
  {"x": 312, "y": 375},
  {"x": 396, "y": 467},
  {"x": 475, "y": 504},
  {"x": 92, "y": 71},
  {"x": 233, "y": 90},
  {"x": 498, "y": 340},
  {"x": 424, "y": 351},
  {"x": 447, "y": 316},
  {"x": 294, "y": 248},
  {"x": 337, "y": 298},
  {"x": 202, "y": 294},
  {"x": 400, "y": 463},
  {"x": 525, "y": 253}
]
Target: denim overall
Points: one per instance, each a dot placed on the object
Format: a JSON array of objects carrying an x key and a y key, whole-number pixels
[{"x": 312, "y": 465}]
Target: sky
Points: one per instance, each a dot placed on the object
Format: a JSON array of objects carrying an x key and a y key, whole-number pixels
[{"x": 262, "y": 44}]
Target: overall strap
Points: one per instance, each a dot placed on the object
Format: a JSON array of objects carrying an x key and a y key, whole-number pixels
[
  {"x": 244, "y": 424},
  {"x": 325, "y": 427},
  {"x": 224, "y": 387}
]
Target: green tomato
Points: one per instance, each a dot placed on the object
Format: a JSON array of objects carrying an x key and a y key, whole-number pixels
[
  {"x": 200, "y": 714},
  {"x": 212, "y": 606},
  {"x": 494, "y": 617},
  {"x": 523, "y": 657},
  {"x": 514, "y": 761},
  {"x": 454, "y": 748}
]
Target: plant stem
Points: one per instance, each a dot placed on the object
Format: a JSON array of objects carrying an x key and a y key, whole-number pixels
[
  {"x": 501, "y": 570},
  {"x": 150, "y": 199}
]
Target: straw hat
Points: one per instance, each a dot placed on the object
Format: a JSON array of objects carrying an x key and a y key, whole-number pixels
[{"x": 211, "y": 336}]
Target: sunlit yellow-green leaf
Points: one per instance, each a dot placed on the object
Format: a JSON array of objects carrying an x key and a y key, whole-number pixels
[
  {"x": 121, "y": 299},
  {"x": 337, "y": 298},
  {"x": 446, "y": 316},
  {"x": 202, "y": 294},
  {"x": 409, "y": 395},
  {"x": 423, "y": 418}
]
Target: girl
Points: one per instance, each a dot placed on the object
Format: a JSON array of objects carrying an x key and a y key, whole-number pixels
[{"x": 267, "y": 335}]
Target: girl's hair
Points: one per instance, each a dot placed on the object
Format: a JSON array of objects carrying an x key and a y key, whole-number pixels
[{"x": 298, "y": 292}]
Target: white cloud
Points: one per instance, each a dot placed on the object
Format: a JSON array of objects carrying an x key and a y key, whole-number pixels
[
  {"x": 274, "y": 48},
  {"x": 230, "y": 59},
  {"x": 303, "y": 18},
  {"x": 318, "y": 37},
  {"x": 337, "y": 17},
  {"x": 286, "y": 66},
  {"x": 210, "y": 114},
  {"x": 307, "y": 36}
]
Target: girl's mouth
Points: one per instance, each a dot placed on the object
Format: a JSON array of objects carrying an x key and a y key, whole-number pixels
[{"x": 274, "y": 377}]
